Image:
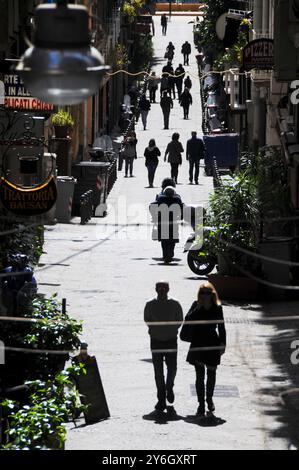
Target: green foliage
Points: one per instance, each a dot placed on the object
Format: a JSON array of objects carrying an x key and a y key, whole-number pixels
[
  {"x": 143, "y": 53},
  {"x": 233, "y": 56},
  {"x": 39, "y": 425},
  {"x": 259, "y": 190},
  {"x": 207, "y": 32},
  {"x": 24, "y": 238},
  {"x": 131, "y": 8},
  {"x": 62, "y": 118},
  {"x": 55, "y": 331}
]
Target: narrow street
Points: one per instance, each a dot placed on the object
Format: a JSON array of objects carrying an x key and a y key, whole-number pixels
[{"x": 107, "y": 270}]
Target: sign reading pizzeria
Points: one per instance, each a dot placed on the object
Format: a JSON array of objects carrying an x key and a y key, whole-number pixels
[
  {"x": 27, "y": 202},
  {"x": 17, "y": 97},
  {"x": 259, "y": 54}
]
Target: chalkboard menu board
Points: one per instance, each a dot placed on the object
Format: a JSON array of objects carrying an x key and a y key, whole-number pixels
[{"x": 90, "y": 387}]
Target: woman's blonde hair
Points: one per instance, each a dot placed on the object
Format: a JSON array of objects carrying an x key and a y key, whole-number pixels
[{"x": 208, "y": 286}]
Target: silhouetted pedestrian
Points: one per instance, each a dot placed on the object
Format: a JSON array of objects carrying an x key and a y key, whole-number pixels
[
  {"x": 207, "y": 344},
  {"x": 166, "y": 104},
  {"x": 185, "y": 102},
  {"x": 164, "y": 84},
  {"x": 170, "y": 51},
  {"x": 194, "y": 153},
  {"x": 180, "y": 74},
  {"x": 164, "y": 21},
  {"x": 174, "y": 151},
  {"x": 144, "y": 106},
  {"x": 167, "y": 213},
  {"x": 151, "y": 154},
  {"x": 153, "y": 82},
  {"x": 129, "y": 152},
  {"x": 188, "y": 83},
  {"x": 186, "y": 51},
  {"x": 163, "y": 341},
  {"x": 168, "y": 69}
]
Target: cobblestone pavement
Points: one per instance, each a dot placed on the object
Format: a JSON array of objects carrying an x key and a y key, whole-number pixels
[{"x": 107, "y": 272}]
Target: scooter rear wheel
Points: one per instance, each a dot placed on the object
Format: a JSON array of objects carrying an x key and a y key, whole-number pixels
[{"x": 199, "y": 264}]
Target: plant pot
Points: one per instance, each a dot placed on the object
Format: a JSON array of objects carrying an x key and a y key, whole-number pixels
[
  {"x": 61, "y": 132},
  {"x": 234, "y": 287}
]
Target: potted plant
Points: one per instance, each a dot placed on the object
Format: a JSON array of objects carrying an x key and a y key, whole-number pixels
[
  {"x": 62, "y": 122},
  {"x": 234, "y": 215}
]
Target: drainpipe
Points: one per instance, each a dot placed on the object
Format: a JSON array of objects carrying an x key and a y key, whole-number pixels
[{"x": 257, "y": 26}]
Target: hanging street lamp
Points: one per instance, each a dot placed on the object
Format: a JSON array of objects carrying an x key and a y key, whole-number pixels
[{"x": 62, "y": 67}]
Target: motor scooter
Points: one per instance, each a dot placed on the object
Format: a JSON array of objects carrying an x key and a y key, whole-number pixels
[{"x": 199, "y": 261}]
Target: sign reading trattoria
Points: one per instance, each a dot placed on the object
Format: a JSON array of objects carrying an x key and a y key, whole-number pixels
[
  {"x": 18, "y": 97},
  {"x": 28, "y": 202},
  {"x": 259, "y": 54}
]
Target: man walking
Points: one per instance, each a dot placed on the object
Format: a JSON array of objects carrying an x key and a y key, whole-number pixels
[
  {"x": 186, "y": 51},
  {"x": 194, "y": 153},
  {"x": 164, "y": 24},
  {"x": 166, "y": 104},
  {"x": 163, "y": 340}
]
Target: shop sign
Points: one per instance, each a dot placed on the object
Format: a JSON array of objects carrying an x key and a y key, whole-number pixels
[
  {"x": 259, "y": 54},
  {"x": 17, "y": 97},
  {"x": 28, "y": 202}
]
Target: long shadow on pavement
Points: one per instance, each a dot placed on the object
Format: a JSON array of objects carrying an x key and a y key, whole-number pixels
[
  {"x": 285, "y": 408},
  {"x": 161, "y": 417},
  {"x": 206, "y": 421}
]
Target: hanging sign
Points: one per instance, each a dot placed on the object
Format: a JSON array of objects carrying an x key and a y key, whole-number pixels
[
  {"x": 28, "y": 202},
  {"x": 259, "y": 54},
  {"x": 17, "y": 97}
]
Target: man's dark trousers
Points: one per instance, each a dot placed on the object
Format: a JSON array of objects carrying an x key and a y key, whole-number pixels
[
  {"x": 193, "y": 164},
  {"x": 171, "y": 364},
  {"x": 166, "y": 114}
]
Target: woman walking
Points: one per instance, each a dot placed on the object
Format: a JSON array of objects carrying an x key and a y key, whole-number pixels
[
  {"x": 174, "y": 150},
  {"x": 208, "y": 340},
  {"x": 185, "y": 101},
  {"x": 151, "y": 154},
  {"x": 144, "y": 106},
  {"x": 129, "y": 152}
]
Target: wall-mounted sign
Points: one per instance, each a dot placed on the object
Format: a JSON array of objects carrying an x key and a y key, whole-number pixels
[
  {"x": 28, "y": 202},
  {"x": 259, "y": 54},
  {"x": 17, "y": 97}
]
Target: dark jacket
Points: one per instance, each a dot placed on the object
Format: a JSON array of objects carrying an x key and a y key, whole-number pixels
[
  {"x": 204, "y": 335},
  {"x": 185, "y": 99},
  {"x": 151, "y": 155},
  {"x": 167, "y": 213},
  {"x": 180, "y": 74},
  {"x": 174, "y": 150},
  {"x": 195, "y": 149},
  {"x": 144, "y": 105},
  {"x": 166, "y": 103},
  {"x": 186, "y": 48}
]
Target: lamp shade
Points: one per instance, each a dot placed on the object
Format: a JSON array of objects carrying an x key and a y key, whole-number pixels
[{"x": 62, "y": 67}]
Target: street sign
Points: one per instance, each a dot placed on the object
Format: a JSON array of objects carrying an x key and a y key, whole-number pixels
[
  {"x": 90, "y": 387},
  {"x": 17, "y": 97},
  {"x": 28, "y": 202},
  {"x": 259, "y": 54}
]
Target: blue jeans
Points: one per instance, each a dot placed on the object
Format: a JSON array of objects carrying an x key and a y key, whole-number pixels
[{"x": 151, "y": 168}]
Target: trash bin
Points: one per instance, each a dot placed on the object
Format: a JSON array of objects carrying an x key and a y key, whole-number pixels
[
  {"x": 277, "y": 248},
  {"x": 91, "y": 176},
  {"x": 65, "y": 190}
]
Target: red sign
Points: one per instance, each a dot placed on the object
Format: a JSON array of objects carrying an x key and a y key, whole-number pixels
[{"x": 18, "y": 97}]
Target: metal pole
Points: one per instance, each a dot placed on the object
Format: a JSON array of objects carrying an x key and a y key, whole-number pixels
[
  {"x": 63, "y": 306},
  {"x": 170, "y": 9}
]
